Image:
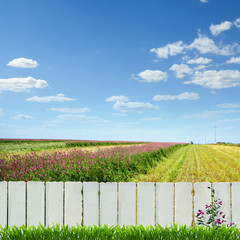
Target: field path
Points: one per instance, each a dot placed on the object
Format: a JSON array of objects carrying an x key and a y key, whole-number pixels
[{"x": 198, "y": 163}]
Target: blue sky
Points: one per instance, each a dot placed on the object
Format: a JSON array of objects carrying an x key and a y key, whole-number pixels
[{"x": 144, "y": 70}]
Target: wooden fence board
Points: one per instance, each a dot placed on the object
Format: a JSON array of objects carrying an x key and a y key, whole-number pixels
[
  {"x": 35, "y": 203},
  {"x": 3, "y": 204},
  {"x": 183, "y": 203},
  {"x": 236, "y": 203},
  {"x": 202, "y": 196},
  {"x": 164, "y": 203},
  {"x": 54, "y": 203},
  {"x": 222, "y": 191},
  {"x": 90, "y": 204},
  {"x": 73, "y": 203},
  {"x": 108, "y": 203},
  {"x": 16, "y": 204},
  {"x": 127, "y": 204},
  {"x": 145, "y": 203}
]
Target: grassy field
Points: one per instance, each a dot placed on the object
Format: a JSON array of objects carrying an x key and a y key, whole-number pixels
[{"x": 197, "y": 163}]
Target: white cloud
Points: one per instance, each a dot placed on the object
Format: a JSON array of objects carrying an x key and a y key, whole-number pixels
[
  {"x": 21, "y": 84},
  {"x": 153, "y": 76},
  {"x": 171, "y": 49},
  {"x": 216, "y": 79},
  {"x": 237, "y": 23},
  {"x": 217, "y": 29},
  {"x": 116, "y": 99},
  {"x": 199, "y": 67},
  {"x": 82, "y": 118},
  {"x": 206, "y": 45},
  {"x": 23, "y": 117},
  {"x": 139, "y": 107},
  {"x": 204, "y": 1},
  {"x": 210, "y": 114},
  {"x": 229, "y": 105},
  {"x": 234, "y": 60},
  {"x": 23, "y": 63},
  {"x": 182, "y": 96},
  {"x": 58, "y": 98},
  {"x": 1, "y": 112},
  {"x": 199, "y": 60},
  {"x": 70, "y": 110},
  {"x": 180, "y": 70}
]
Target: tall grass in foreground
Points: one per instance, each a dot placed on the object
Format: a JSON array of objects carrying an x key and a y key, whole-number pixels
[
  {"x": 129, "y": 233},
  {"x": 105, "y": 165}
]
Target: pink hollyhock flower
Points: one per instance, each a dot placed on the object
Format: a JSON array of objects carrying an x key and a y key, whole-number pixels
[
  {"x": 220, "y": 203},
  {"x": 207, "y": 206}
]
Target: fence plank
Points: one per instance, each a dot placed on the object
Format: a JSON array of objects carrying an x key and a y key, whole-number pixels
[
  {"x": 35, "y": 203},
  {"x": 3, "y": 204},
  {"x": 236, "y": 203},
  {"x": 108, "y": 203},
  {"x": 90, "y": 203},
  {"x": 73, "y": 203},
  {"x": 222, "y": 191},
  {"x": 127, "y": 204},
  {"x": 164, "y": 203},
  {"x": 16, "y": 207},
  {"x": 54, "y": 203},
  {"x": 183, "y": 203},
  {"x": 202, "y": 196},
  {"x": 145, "y": 203}
]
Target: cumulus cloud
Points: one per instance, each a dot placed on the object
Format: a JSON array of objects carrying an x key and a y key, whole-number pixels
[
  {"x": 180, "y": 70},
  {"x": 229, "y": 105},
  {"x": 70, "y": 110},
  {"x": 237, "y": 23},
  {"x": 138, "y": 107},
  {"x": 216, "y": 79},
  {"x": 152, "y": 76},
  {"x": 58, "y": 98},
  {"x": 22, "y": 117},
  {"x": 117, "y": 98},
  {"x": 21, "y": 84},
  {"x": 234, "y": 60},
  {"x": 205, "y": 45},
  {"x": 182, "y": 96},
  {"x": 217, "y": 29},
  {"x": 199, "y": 60},
  {"x": 171, "y": 49},
  {"x": 23, "y": 63}
]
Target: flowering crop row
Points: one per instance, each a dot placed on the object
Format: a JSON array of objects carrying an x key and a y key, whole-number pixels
[{"x": 112, "y": 164}]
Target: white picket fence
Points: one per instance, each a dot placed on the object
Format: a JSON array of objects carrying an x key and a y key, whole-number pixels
[{"x": 92, "y": 203}]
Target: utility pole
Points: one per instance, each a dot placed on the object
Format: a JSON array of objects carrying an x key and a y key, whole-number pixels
[{"x": 215, "y": 134}]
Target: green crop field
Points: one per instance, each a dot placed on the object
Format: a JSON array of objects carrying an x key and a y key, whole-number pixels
[{"x": 197, "y": 163}]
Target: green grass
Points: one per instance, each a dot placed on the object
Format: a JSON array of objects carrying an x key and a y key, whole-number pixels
[{"x": 129, "y": 233}]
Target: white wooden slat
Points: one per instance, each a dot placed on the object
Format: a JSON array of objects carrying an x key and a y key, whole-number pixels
[
  {"x": 3, "y": 204},
  {"x": 183, "y": 204},
  {"x": 145, "y": 203},
  {"x": 54, "y": 203},
  {"x": 222, "y": 191},
  {"x": 108, "y": 203},
  {"x": 127, "y": 204},
  {"x": 236, "y": 203},
  {"x": 164, "y": 204},
  {"x": 73, "y": 203},
  {"x": 90, "y": 204},
  {"x": 202, "y": 196},
  {"x": 35, "y": 203},
  {"x": 16, "y": 207}
]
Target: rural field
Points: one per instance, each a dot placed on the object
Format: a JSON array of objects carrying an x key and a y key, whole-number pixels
[{"x": 102, "y": 161}]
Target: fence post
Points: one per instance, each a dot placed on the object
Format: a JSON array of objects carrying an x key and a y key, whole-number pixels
[{"x": 3, "y": 204}]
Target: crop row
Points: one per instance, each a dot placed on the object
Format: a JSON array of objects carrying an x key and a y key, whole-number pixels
[{"x": 112, "y": 164}]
